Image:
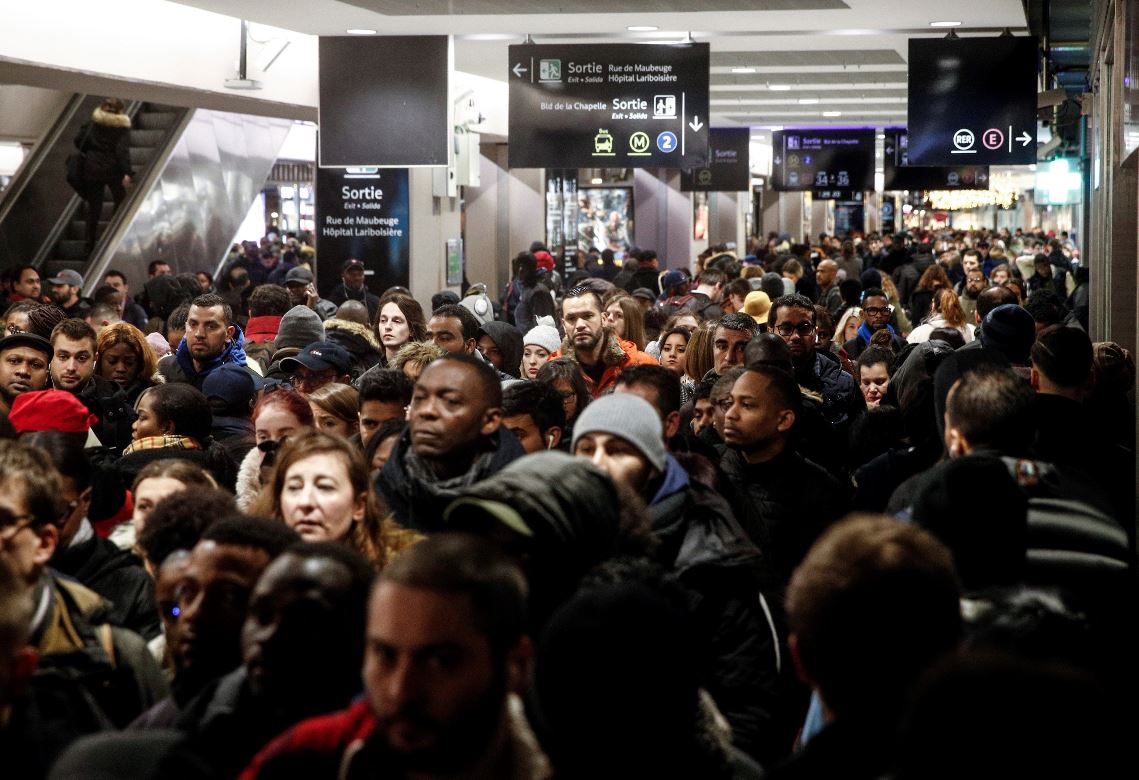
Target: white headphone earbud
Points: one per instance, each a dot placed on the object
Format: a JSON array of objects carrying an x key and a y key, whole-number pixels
[{"x": 549, "y": 441}]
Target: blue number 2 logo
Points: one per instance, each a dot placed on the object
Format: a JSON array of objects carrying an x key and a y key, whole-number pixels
[{"x": 666, "y": 141}]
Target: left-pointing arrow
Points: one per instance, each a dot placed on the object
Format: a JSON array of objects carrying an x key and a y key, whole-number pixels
[
  {"x": 1024, "y": 138},
  {"x": 519, "y": 70}
]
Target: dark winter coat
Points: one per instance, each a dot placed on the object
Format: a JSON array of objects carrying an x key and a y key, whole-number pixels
[
  {"x": 179, "y": 367},
  {"x": 508, "y": 339},
  {"x": 647, "y": 277},
  {"x": 340, "y": 293},
  {"x": 116, "y": 575},
  {"x": 106, "y": 142},
  {"x": 104, "y": 399},
  {"x": 418, "y": 499},
  {"x": 783, "y": 505},
  {"x": 358, "y": 340},
  {"x": 701, "y": 542},
  {"x": 842, "y": 400}
]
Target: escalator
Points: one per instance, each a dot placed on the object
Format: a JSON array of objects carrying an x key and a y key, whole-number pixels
[
  {"x": 151, "y": 129},
  {"x": 197, "y": 172}
]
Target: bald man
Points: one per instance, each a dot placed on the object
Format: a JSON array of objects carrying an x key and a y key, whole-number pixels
[{"x": 826, "y": 276}]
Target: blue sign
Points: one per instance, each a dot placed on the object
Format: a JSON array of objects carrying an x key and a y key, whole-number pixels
[{"x": 666, "y": 141}]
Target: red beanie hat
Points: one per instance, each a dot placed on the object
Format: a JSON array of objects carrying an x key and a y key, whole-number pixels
[
  {"x": 545, "y": 260},
  {"x": 50, "y": 410}
]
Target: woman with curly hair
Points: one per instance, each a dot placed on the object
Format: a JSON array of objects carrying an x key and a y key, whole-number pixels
[
  {"x": 320, "y": 488},
  {"x": 127, "y": 359}
]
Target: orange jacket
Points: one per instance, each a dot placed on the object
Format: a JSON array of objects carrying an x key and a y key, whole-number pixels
[{"x": 617, "y": 355}]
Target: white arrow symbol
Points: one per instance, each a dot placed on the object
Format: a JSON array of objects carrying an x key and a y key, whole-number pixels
[
  {"x": 1024, "y": 138},
  {"x": 519, "y": 70},
  {"x": 695, "y": 124}
]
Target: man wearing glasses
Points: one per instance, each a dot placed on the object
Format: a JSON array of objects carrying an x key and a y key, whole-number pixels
[
  {"x": 794, "y": 321},
  {"x": 876, "y": 311},
  {"x": 67, "y": 630}
]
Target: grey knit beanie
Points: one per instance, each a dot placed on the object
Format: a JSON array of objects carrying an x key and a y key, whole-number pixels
[
  {"x": 544, "y": 335},
  {"x": 299, "y": 327},
  {"x": 628, "y": 416}
]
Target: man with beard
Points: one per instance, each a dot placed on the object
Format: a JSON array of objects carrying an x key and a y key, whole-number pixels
[
  {"x": 445, "y": 655},
  {"x": 212, "y": 340},
  {"x": 73, "y": 370},
  {"x": 454, "y": 438},
  {"x": 592, "y": 345},
  {"x": 24, "y": 360},
  {"x": 65, "y": 289}
]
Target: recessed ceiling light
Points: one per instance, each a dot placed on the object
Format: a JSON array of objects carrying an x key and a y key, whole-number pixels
[
  {"x": 360, "y": 31},
  {"x": 832, "y": 113},
  {"x": 597, "y": 181},
  {"x": 945, "y": 24},
  {"x": 743, "y": 70},
  {"x": 779, "y": 87},
  {"x": 808, "y": 101},
  {"x": 642, "y": 28}
]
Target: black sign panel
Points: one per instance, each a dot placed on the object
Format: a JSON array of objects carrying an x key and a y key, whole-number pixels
[
  {"x": 900, "y": 175},
  {"x": 829, "y": 160},
  {"x": 849, "y": 217},
  {"x": 972, "y": 101},
  {"x": 729, "y": 169},
  {"x": 363, "y": 213},
  {"x": 889, "y": 216},
  {"x": 609, "y": 106},
  {"x": 846, "y": 195},
  {"x": 376, "y": 108}
]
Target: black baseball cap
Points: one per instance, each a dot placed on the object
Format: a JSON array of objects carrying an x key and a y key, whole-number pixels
[
  {"x": 26, "y": 339},
  {"x": 320, "y": 356}
]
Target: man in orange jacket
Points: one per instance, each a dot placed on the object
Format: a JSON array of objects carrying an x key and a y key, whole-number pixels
[{"x": 600, "y": 353}]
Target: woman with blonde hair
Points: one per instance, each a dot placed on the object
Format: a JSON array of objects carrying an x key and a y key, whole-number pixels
[
  {"x": 847, "y": 328},
  {"x": 945, "y": 312},
  {"x": 320, "y": 488},
  {"x": 127, "y": 359},
  {"x": 335, "y": 409},
  {"x": 901, "y": 321}
]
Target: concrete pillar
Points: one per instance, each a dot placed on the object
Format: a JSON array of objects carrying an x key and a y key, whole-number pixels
[
  {"x": 822, "y": 219},
  {"x": 662, "y": 217},
  {"x": 726, "y": 220},
  {"x": 433, "y": 221},
  {"x": 504, "y": 214}
]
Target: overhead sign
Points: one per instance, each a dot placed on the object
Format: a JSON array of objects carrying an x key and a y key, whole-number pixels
[
  {"x": 729, "y": 166},
  {"x": 363, "y": 213},
  {"x": 608, "y": 106},
  {"x": 846, "y": 195},
  {"x": 824, "y": 160},
  {"x": 972, "y": 101},
  {"x": 898, "y": 174},
  {"x": 375, "y": 109}
]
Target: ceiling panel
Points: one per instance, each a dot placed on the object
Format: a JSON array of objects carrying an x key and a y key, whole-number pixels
[{"x": 515, "y": 7}]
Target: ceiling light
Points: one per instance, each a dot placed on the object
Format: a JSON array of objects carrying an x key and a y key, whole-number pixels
[
  {"x": 360, "y": 31},
  {"x": 597, "y": 181},
  {"x": 808, "y": 101},
  {"x": 779, "y": 87},
  {"x": 743, "y": 70},
  {"x": 832, "y": 113},
  {"x": 945, "y": 24},
  {"x": 642, "y": 28}
]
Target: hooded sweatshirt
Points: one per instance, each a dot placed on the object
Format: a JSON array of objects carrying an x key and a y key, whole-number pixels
[
  {"x": 179, "y": 367},
  {"x": 509, "y": 341}
]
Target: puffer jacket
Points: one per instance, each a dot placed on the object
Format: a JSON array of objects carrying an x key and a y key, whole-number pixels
[
  {"x": 179, "y": 367},
  {"x": 358, "y": 340},
  {"x": 701, "y": 542},
  {"x": 417, "y": 499},
  {"x": 842, "y": 400},
  {"x": 783, "y": 505},
  {"x": 617, "y": 355}
]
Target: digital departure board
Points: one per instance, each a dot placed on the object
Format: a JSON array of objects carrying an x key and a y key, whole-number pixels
[{"x": 831, "y": 159}]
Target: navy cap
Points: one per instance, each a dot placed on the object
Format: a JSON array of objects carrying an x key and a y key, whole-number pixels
[
  {"x": 233, "y": 384},
  {"x": 320, "y": 356},
  {"x": 673, "y": 277}
]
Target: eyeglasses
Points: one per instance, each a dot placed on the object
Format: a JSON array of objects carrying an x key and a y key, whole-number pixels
[
  {"x": 724, "y": 404},
  {"x": 803, "y": 328},
  {"x": 878, "y": 309},
  {"x": 13, "y": 329},
  {"x": 11, "y": 524}
]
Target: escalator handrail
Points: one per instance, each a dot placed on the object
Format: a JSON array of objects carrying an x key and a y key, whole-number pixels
[{"x": 39, "y": 154}]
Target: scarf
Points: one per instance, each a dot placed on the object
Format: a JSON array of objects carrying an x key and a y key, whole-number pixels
[{"x": 167, "y": 441}]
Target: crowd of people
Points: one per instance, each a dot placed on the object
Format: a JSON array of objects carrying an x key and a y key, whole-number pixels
[{"x": 858, "y": 507}]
